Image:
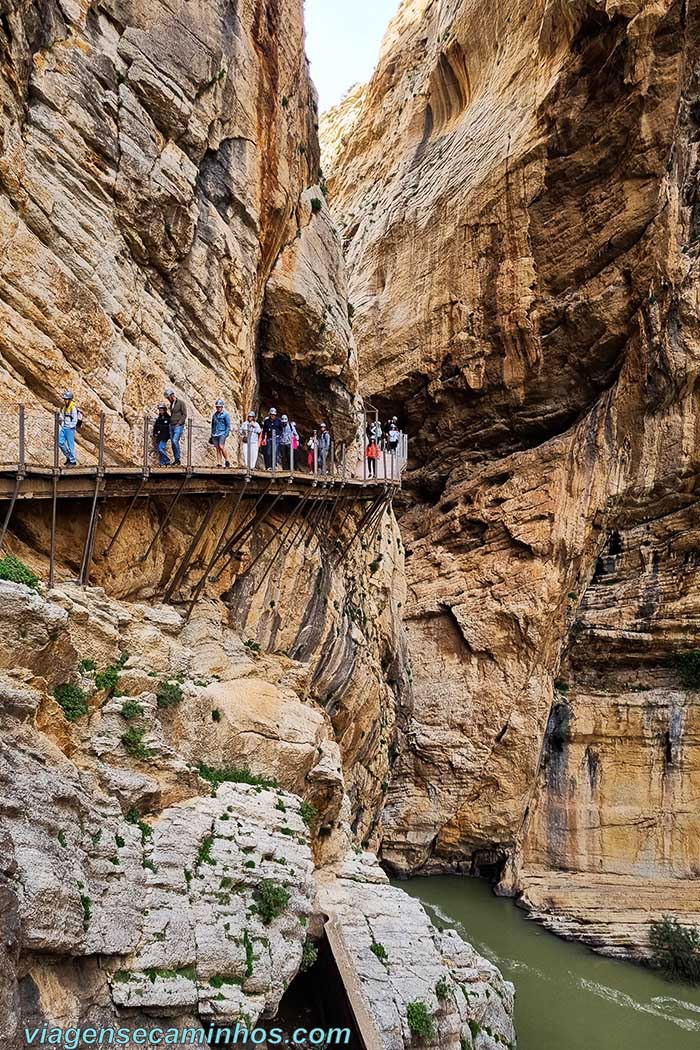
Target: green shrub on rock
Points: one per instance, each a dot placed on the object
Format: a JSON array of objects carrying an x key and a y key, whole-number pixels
[
  {"x": 420, "y": 1019},
  {"x": 72, "y": 699},
  {"x": 14, "y": 570},
  {"x": 270, "y": 900},
  {"x": 675, "y": 949},
  {"x": 169, "y": 694}
]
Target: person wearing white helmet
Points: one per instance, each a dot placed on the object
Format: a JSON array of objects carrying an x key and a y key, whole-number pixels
[
  {"x": 68, "y": 422},
  {"x": 289, "y": 439},
  {"x": 271, "y": 427},
  {"x": 220, "y": 430},
  {"x": 250, "y": 433}
]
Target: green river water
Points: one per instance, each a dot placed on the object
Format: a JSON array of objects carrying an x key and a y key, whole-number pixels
[{"x": 567, "y": 997}]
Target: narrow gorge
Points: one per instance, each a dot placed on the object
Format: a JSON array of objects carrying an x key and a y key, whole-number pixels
[{"x": 262, "y": 702}]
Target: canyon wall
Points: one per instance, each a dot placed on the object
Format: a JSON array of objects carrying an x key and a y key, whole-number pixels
[
  {"x": 157, "y": 164},
  {"x": 517, "y": 196}
]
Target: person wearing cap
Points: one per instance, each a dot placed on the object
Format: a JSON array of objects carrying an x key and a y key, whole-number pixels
[
  {"x": 220, "y": 430},
  {"x": 271, "y": 430},
  {"x": 250, "y": 433},
  {"x": 178, "y": 418},
  {"x": 392, "y": 436},
  {"x": 289, "y": 439},
  {"x": 161, "y": 434},
  {"x": 323, "y": 447},
  {"x": 68, "y": 417}
]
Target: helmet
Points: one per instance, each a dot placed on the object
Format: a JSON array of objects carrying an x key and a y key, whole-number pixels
[
  {"x": 168, "y": 391},
  {"x": 284, "y": 419},
  {"x": 163, "y": 405},
  {"x": 251, "y": 414},
  {"x": 394, "y": 419},
  {"x": 219, "y": 403},
  {"x": 273, "y": 411},
  {"x": 323, "y": 426},
  {"x": 68, "y": 395}
]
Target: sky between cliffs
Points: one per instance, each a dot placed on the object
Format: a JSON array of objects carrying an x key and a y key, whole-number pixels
[{"x": 342, "y": 42}]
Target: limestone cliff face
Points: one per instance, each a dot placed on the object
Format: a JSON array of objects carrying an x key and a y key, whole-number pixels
[
  {"x": 518, "y": 200},
  {"x": 153, "y": 165}
]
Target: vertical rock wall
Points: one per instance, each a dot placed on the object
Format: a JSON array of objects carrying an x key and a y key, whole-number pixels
[{"x": 518, "y": 200}]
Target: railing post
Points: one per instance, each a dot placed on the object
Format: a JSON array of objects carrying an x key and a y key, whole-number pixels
[
  {"x": 146, "y": 432},
  {"x": 274, "y": 452},
  {"x": 189, "y": 447},
  {"x": 315, "y": 457},
  {"x": 384, "y": 462},
  {"x": 291, "y": 457},
  {"x": 22, "y": 461},
  {"x": 344, "y": 449},
  {"x": 332, "y": 470},
  {"x": 363, "y": 445},
  {"x": 56, "y": 428},
  {"x": 101, "y": 446}
]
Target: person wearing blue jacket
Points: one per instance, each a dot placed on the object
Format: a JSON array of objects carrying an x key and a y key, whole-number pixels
[{"x": 220, "y": 430}]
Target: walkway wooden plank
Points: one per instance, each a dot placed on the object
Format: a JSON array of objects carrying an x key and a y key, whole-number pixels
[{"x": 122, "y": 483}]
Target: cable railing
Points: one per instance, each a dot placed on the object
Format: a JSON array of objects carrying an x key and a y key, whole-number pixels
[{"x": 110, "y": 442}]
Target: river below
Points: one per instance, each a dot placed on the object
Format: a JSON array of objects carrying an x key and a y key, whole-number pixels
[{"x": 567, "y": 997}]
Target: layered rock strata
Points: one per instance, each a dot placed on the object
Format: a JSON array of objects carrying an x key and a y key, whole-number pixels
[
  {"x": 154, "y": 168},
  {"x": 517, "y": 197}
]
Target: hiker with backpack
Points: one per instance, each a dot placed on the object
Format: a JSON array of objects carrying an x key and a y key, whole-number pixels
[
  {"x": 220, "y": 430},
  {"x": 161, "y": 434},
  {"x": 70, "y": 419}
]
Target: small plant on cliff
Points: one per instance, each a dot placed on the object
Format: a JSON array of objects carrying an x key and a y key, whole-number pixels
[
  {"x": 380, "y": 951},
  {"x": 216, "y": 715},
  {"x": 308, "y": 813},
  {"x": 217, "y": 775},
  {"x": 133, "y": 742},
  {"x": 688, "y": 667},
  {"x": 131, "y": 709},
  {"x": 420, "y": 1019},
  {"x": 270, "y": 900},
  {"x": 72, "y": 699},
  {"x": 309, "y": 955},
  {"x": 316, "y": 205},
  {"x": 15, "y": 571},
  {"x": 109, "y": 678},
  {"x": 146, "y": 830},
  {"x": 675, "y": 949},
  {"x": 87, "y": 666},
  {"x": 442, "y": 989},
  {"x": 87, "y": 910},
  {"x": 169, "y": 694}
]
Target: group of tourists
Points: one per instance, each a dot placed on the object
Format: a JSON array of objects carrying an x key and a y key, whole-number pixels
[
  {"x": 381, "y": 438},
  {"x": 276, "y": 437}
]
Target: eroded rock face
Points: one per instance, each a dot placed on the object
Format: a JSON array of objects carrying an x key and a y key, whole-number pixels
[
  {"x": 517, "y": 197},
  {"x": 401, "y": 958},
  {"x": 153, "y": 160}
]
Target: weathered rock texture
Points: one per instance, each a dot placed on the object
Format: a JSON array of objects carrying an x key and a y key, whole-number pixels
[
  {"x": 400, "y": 958},
  {"x": 518, "y": 200},
  {"x": 154, "y": 160}
]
